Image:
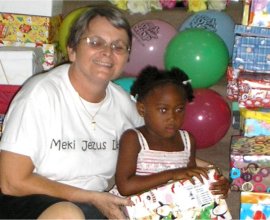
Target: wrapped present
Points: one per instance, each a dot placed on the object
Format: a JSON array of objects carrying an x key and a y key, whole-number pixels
[
  {"x": 17, "y": 64},
  {"x": 232, "y": 83},
  {"x": 179, "y": 200},
  {"x": 254, "y": 90},
  {"x": 251, "y": 51},
  {"x": 7, "y": 92},
  {"x": 250, "y": 163},
  {"x": 259, "y": 13},
  {"x": 52, "y": 55},
  {"x": 255, "y": 122},
  {"x": 47, "y": 8},
  {"x": 255, "y": 206},
  {"x": 27, "y": 28}
]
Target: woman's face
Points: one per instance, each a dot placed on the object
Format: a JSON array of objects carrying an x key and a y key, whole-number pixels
[{"x": 95, "y": 59}]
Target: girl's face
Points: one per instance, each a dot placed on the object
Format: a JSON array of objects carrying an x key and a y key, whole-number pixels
[
  {"x": 96, "y": 58},
  {"x": 163, "y": 110}
]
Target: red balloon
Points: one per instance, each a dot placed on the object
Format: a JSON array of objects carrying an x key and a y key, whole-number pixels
[{"x": 207, "y": 117}]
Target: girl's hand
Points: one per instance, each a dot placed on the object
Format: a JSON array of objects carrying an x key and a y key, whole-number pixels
[
  {"x": 220, "y": 187},
  {"x": 189, "y": 173}
]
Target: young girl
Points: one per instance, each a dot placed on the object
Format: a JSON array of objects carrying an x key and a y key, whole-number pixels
[{"x": 159, "y": 151}]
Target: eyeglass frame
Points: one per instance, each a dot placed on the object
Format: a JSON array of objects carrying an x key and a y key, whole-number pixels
[{"x": 105, "y": 44}]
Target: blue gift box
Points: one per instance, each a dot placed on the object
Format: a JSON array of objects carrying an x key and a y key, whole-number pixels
[{"x": 251, "y": 50}]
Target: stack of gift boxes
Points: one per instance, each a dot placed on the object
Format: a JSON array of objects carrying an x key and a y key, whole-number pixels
[
  {"x": 248, "y": 88},
  {"x": 29, "y": 43}
]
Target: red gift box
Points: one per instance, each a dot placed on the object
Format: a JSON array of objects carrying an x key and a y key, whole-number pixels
[
  {"x": 254, "y": 90},
  {"x": 7, "y": 92}
]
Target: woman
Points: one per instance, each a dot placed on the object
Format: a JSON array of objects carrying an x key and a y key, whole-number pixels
[{"x": 60, "y": 140}]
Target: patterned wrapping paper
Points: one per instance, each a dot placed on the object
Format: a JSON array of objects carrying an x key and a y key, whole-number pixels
[
  {"x": 232, "y": 83},
  {"x": 250, "y": 163},
  {"x": 27, "y": 28},
  {"x": 251, "y": 51},
  {"x": 254, "y": 90},
  {"x": 52, "y": 55},
  {"x": 255, "y": 122},
  {"x": 255, "y": 206},
  {"x": 179, "y": 200}
]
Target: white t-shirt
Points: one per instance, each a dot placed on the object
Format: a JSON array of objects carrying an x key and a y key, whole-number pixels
[{"x": 48, "y": 122}]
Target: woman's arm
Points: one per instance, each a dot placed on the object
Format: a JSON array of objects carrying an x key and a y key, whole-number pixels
[{"x": 17, "y": 179}]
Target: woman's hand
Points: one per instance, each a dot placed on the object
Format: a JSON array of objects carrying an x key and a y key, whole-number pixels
[{"x": 110, "y": 205}]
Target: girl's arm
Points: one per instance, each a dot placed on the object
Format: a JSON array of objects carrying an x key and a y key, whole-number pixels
[{"x": 128, "y": 183}]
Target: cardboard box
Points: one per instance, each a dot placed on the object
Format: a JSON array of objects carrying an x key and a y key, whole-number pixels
[
  {"x": 255, "y": 206},
  {"x": 250, "y": 163},
  {"x": 51, "y": 52},
  {"x": 7, "y": 93},
  {"x": 17, "y": 64},
  {"x": 251, "y": 51},
  {"x": 179, "y": 200},
  {"x": 254, "y": 90},
  {"x": 32, "y": 7},
  {"x": 27, "y": 28}
]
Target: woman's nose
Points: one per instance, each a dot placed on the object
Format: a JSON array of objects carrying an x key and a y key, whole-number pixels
[{"x": 107, "y": 49}]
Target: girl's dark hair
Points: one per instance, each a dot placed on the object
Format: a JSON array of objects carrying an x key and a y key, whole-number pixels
[
  {"x": 113, "y": 15},
  {"x": 151, "y": 77}
]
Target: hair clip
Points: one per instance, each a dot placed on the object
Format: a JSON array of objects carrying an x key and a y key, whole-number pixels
[
  {"x": 134, "y": 98},
  {"x": 186, "y": 82}
]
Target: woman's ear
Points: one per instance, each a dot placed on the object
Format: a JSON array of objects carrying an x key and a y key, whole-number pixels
[
  {"x": 140, "y": 108},
  {"x": 71, "y": 54}
]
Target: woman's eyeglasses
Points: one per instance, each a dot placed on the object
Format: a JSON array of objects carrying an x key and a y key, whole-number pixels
[{"x": 98, "y": 43}]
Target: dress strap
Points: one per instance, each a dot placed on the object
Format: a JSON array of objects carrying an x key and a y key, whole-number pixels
[
  {"x": 186, "y": 140},
  {"x": 142, "y": 140}
]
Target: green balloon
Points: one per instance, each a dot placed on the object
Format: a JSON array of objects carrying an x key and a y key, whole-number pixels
[
  {"x": 65, "y": 28},
  {"x": 202, "y": 54}
]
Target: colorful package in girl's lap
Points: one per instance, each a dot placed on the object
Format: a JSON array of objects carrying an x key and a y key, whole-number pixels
[
  {"x": 255, "y": 122},
  {"x": 255, "y": 206},
  {"x": 179, "y": 200},
  {"x": 250, "y": 163}
]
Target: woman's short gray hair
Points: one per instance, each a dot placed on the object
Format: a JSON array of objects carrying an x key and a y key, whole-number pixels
[{"x": 113, "y": 15}]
